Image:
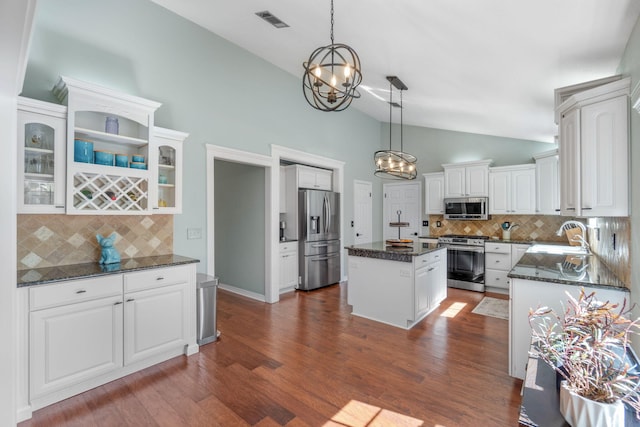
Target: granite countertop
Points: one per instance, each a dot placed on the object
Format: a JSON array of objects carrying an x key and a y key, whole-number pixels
[
  {"x": 41, "y": 276},
  {"x": 381, "y": 250},
  {"x": 577, "y": 270}
]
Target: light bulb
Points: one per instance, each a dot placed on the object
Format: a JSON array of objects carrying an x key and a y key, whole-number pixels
[
  {"x": 317, "y": 71},
  {"x": 347, "y": 71},
  {"x": 333, "y": 80},
  {"x": 390, "y": 164},
  {"x": 411, "y": 168}
]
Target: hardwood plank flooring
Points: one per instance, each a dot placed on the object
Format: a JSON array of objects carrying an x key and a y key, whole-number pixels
[{"x": 306, "y": 361}]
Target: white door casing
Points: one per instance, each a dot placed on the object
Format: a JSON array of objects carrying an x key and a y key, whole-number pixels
[{"x": 362, "y": 212}]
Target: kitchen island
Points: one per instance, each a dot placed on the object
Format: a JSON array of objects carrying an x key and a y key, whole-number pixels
[
  {"x": 398, "y": 286},
  {"x": 543, "y": 279}
]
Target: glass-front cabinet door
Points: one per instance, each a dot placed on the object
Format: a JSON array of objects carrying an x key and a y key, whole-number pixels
[
  {"x": 168, "y": 191},
  {"x": 41, "y": 156}
]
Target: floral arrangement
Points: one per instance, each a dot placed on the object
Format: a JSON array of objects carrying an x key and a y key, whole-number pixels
[{"x": 587, "y": 347}]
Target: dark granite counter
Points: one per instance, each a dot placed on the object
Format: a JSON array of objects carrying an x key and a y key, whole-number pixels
[
  {"x": 566, "y": 269},
  {"x": 41, "y": 276},
  {"x": 381, "y": 250}
]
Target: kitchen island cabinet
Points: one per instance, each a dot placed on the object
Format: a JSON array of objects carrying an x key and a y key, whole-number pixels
[
  {"x": 396, "y": 286},
  {"x": 85, "y": 325}
]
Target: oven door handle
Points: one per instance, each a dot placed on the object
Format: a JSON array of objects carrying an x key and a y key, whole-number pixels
[{"x": 479, "y": 249}]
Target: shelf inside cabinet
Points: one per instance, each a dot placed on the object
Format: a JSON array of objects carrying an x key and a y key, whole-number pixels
[
  {"x": 91, "y": 134},
  {"x": 38, "y": 176},
  {"x": 37, "y": 150},
  {"x": 169, "y": 167}
]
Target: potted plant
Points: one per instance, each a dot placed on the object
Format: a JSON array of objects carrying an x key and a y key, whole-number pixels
[{"x": 588, "y": 347}]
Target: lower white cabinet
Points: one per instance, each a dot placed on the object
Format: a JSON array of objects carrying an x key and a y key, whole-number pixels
[
  {"x": 530, "y": 294},
  {"x": 288, "y": 266},
  {"x": 73, "y": 343},
  {"x": 500, "y": 258},
  {"x": 430, "y": 283},
  {"x": 154, "y": 321},
  {"x": 86, "y": 332}
]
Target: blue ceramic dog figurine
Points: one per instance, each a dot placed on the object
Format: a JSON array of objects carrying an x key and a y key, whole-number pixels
[{"x": 109, "y": 254}]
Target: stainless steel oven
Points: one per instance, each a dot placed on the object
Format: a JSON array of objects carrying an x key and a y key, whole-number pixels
[{"x": 465, "y": 261}]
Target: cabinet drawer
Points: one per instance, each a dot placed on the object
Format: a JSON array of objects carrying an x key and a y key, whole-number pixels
[
  {"x": 496, "y": 278},
  {"x": 74, "y": 291},
  {"x": 497, "y": 248},
  {"x": 154, "y": 278},
  {"x": 428, "y": 259},
  {"x": 497, "y": 261},
  {"x": 288, "y": 247}
]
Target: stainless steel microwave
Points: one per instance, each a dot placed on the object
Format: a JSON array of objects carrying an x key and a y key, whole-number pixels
[{"x": 466, "y": 208}]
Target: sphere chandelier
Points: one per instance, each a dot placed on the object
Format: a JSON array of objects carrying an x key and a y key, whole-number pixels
[
  {"x": 391, "y": 163},
  {"x": 331, "y": 76}
]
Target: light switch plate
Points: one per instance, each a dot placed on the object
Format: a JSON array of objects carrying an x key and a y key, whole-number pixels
[{"x": 194, "y": 233}]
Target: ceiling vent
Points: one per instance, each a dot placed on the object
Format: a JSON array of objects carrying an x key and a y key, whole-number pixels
[{"x": 271, "y": 19}]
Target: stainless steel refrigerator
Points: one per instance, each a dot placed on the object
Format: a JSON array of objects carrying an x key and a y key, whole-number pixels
[{"x": 319, "y": 238}]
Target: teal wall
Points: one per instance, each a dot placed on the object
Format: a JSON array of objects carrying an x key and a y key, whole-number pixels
[
  {"x": 239, "y": 225},
  {"x": 434, "y": 147},
  {"x": 630, "y": 66},
  {"x": 221, "y": 94}
]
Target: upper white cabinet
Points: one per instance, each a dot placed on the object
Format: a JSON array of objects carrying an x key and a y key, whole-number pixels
[
  {"x": 111, "y": 123},
  {"x": 469, "y": 179},
  {"x": 594, "y": 151},
  {"x": 314, "y": 178},
  {"x": 166, "y": 193},
  {"x": 42, "y": 129},
  {"x": 547, "y": 183},
  {"x": 434, "y": 193},
  {"x": 512, "y": 190}
]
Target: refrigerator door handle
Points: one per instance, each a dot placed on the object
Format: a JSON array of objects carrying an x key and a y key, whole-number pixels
[{"x": 329, "y": 213}]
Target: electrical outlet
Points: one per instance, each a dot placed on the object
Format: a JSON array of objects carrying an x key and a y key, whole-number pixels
[
  {"x": 425, "y": 223},
  {"x": 194, "y": 233},
  {"x": 351, "y": 223},
  {"x": 613, "y": 241},
  {"x": 438, "y": 224}
]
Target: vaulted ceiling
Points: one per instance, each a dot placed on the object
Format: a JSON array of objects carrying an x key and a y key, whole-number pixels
[{"x": 480, "y": 66}]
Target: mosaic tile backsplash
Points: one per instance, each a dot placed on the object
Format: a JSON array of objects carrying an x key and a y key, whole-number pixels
[
  {"x": 530, "y": 227},
  {"x": 51, "y": 240},
  {"x": 618, "y": 259}
]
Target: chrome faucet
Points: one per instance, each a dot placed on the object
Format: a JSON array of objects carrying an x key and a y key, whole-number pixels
[{"x": 567, "y": 225}]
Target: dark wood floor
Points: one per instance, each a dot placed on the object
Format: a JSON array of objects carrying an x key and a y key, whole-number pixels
[{"x": 306, "y": 361}]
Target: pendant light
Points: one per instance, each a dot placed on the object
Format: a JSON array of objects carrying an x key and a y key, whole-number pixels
[
  {"x": 390, "y": 163},
  {"x": 331, "y": 76}
]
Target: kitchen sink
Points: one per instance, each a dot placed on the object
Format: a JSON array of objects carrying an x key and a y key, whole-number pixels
[{"x": 557, "y": 249}]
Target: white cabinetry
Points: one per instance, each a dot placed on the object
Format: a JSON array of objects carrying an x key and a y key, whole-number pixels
[
  {"x": 529, "y": 294},
  {"x": 75, "y": 333},
  {"x": 500, "y": 258},
  {"x": 156, "y": 312},
  {"x": 100, "y": 188},
  {"x": 314, "y": 178},
  {"x": 469, "y": 179},
  {"x": 166, "y": 192},
  {"x": 42, "y": 129},
  {"x": 512, "y": 190},
  {"x": 594, "y": 151},
  {"x": 547, "y": 183},
  {"x": 288, "y": 266},
  {"x": 394, "y": 292},
  {"x": 86, "y": 332},
  {"x": 434, "y": 193}
]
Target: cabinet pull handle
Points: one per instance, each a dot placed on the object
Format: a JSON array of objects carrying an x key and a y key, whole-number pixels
[
  {"x": 571, "y": 209},
  {"x": 557, "y": 210},
  {"x": 117, "y": 303},
  {"x": 586, "y": 209},
  {"x": 160, "y": 278},
  {"x": 81, "y": 291},
  {"x": 130, "y": 299},
  {"x": 430, "y": 269},
  {"x": 60, "y": 207}
]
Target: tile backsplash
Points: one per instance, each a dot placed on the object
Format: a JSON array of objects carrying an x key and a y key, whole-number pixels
[
  {"x": 618, "y": 258},
  {"x": 50, "y": 240},
  {"x": 530, "y": 227}
]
